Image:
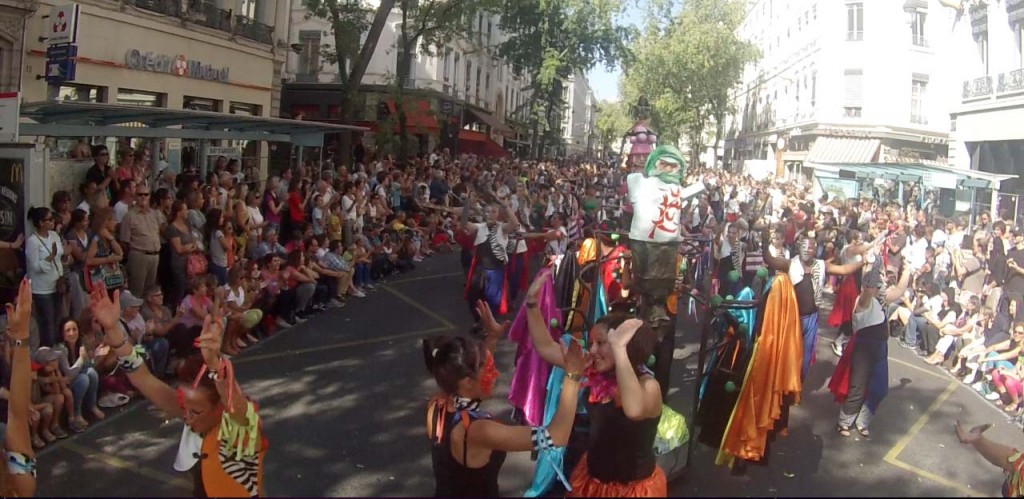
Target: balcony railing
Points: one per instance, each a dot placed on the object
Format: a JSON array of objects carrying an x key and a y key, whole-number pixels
[
  {"x": 1011, "y": 82},
  {"x": 165, "y": 7},
  {"x": 919, "y": 41},
  {"x": 918, "y": 119},
  {"x": 854, "y": 36},
  {"x": 253, "y": 30},
  {"x": 977, "y": 88},
  {"x": 212, "y": 17}
]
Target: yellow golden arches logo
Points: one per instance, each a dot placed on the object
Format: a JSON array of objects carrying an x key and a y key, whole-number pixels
[{"x": 17, "y": 174}]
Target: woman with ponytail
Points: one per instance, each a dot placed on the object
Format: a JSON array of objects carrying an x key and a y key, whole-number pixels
[
  {"x": 468, "y": 446},
  {"x": 624, "y": 403}
]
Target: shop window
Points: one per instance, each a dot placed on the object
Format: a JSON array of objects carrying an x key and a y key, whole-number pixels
[
  {"x": 245, "y": 109},
  {"x": 81, "y": 93},
  {"x": 201, "y": 104},
  {"x": 141, "y": 98}
]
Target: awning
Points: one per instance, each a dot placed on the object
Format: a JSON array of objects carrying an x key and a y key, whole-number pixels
[
  {"x": 929, "y": 175},
  {"x": 417, "y": 115},
  {"x": 843, "y": 150},
  {"x": 794, "y": 156},
  {"x": 487, "y": 119},
  {"x": 472, "y": 136},
  {"x": 87, "y": 119}
]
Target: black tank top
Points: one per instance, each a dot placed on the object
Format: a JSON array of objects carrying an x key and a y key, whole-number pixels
[
  {"x": 485, "y": 258},
  {"x": 453, "y": 479},
  {"x": 805, "y": 296},
  {"x": 621, "y": 450}
]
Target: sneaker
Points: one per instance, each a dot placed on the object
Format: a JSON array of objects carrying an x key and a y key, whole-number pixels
[
  {"x": 300, "y": 319},
  {"x": 978, "y": 386},
  {"x": 370, "y": 287},
  {"x": 283, "y": 324},
  {"x": 908, "y": 345},
  {"x": 993, "y": 396},
  {"x": 837, "y": 347},
  {"x": 358, "y": 294}
]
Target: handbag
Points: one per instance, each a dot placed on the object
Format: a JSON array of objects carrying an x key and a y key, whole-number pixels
[
  {"x": 197, "y": 264},
  {"x": 111, "y": 275}
]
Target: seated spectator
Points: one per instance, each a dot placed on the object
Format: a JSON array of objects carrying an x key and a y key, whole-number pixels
[
  {"x": 142, "y": 333},
  {"x": 76, "y": 366},
  {"x": 269, "y": 245},
  {"x": 180, "y": 338},
  {"x": 54, "y": 389}
]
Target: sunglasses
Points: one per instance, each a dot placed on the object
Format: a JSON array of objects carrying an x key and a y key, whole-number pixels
[
  {"x": 141, "y": 193},
  {"x": 50, "y": 219}
]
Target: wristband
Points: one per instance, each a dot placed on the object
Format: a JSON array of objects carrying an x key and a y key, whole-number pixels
[
  {"x": 20, "y": 344},
  {"x": 541, "y": 438},
  {"x": 131, "y": 362},
  {"x": 574, "y": 376},
  {"x": 532, "y": 304}
]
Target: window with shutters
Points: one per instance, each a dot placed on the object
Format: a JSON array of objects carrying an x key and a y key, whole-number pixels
[
  {"x": 1018, "y": 45},
  {"x": 981, "y": 40},
  {"x": 309, "y": 55},
  {"x": 918, "y": 89},
  {"x": 469, "y": 73},
  {"x": 853, "y": 101},
  {"x": 447, "y": 65},
  {"x": 854, "y": 22},
  {"x": 455, "y": 76},
  {"x": 917, "y": 19}
]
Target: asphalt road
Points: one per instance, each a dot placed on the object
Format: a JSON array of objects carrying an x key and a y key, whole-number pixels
[{"x": 343, "y": 397}]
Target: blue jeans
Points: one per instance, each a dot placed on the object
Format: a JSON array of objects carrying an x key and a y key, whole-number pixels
[
  {"x": 809, "y": 330},
  {"x": 221, "y": 273},
  {"x": 912, "y": 325},
  {"x": 362, "y": 275},
  {"x": 45, "y": 308},
  {"x": 84, "y": 388},
  {"x": 160, "y": 352}
]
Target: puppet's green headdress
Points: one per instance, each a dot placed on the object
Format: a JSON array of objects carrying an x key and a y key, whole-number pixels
[{"x": 669, "y": 154}]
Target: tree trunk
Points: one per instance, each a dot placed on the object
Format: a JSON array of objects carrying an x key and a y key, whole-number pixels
[
  {"x": 719, "y": 123},
  {"x": 355, "y": 77},
  {"x": 402, "y": 73}
]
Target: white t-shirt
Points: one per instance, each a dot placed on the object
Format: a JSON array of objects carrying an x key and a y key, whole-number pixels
[
  {"x": 120, "y": 210},
  {"x": 656, "y": 209}
]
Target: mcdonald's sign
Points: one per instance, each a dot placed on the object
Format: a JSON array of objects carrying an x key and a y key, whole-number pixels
[{"x": 12, "y": 198}]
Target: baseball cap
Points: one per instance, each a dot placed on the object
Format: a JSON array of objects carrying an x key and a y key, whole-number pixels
[{"x": 129, "y": 300}]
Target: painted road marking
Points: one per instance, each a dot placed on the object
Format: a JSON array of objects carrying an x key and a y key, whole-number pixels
[
  {"x": 422, "y": 278},
  {"x": 892, "y": 457},
  {"x": 344, "y": 344},
  {"x": 419, "y": 306},
  {"x": 119, "y": 463},
  {"x": 930, "y": 372}
]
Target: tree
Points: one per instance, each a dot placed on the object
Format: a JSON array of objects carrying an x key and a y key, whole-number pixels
[
  {"x": 552, "y": 40},
  {"x": 688, "y": 67},
  {"x": 613, "y": 121},
  {"x": 348, "y": 22}
]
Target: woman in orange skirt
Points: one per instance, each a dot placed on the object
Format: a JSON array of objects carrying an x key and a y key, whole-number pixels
[{"x": 624, "y": 406}]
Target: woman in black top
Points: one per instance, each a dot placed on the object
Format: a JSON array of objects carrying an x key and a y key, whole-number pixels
[
  {"x": 624, "y": 405},
  {"x": 469, "y": 447}
]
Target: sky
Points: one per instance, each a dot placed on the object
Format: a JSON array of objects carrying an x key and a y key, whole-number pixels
[{"x": 604, "y": 83}]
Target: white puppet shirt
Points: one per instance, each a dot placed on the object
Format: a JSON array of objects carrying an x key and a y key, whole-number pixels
[{"x": 656, "y": 209}]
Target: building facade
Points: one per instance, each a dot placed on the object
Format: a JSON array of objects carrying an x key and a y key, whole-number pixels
[
  {"x": 214, "y": 56},
  {"x": 843, "y": 82},
  {"x": 461, "y": 96},
  {"x": 579, "y": 117},
  {"x": 989, "y": 56}
]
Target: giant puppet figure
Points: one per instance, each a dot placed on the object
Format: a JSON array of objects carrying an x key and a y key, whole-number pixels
[{"x": 657, "y": 198}]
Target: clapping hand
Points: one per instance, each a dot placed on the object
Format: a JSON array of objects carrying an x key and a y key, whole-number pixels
[
  {"x": 575, "y": 360},
  {"x": 107, "y": 311},
  {"x": 620, "y": 336}
]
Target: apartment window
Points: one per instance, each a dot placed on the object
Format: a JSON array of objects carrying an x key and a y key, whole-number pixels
[
  {"x": 918, "y": 89},
  {"x": 479, "y": 73},
  {"x": 855, "y": 22},
  {"x": 141, "y": 98},
  {"x": 201, "y": 104},
  {"x": 480, "y": 28},
  {"x": 1018, "y": 44},
  {"x": 81, "y": 93},
  {"x": 489, "y": 27},
  {"x": 487, "y": 85},
  {"x": 455, "y": 77},
  {"x": 309, "y": 55},
  {"x": 245, "y": 109},
  {"x": 981, "y": 40},
  {"x": 248, "y": 9},
  {"x": 469, "y": 73},
  {"x": 854, "y": 96},
  {"x": 917, "y": 19},
  {"x": 447, "y": 65}
]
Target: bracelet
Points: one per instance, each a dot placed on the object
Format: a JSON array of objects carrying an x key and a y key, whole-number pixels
[
  {"x": 124, "y": 339},
  {"x": 541, "y": 438},
  {"x": 532, "y": 304},
  {"x": 574, "y": 376},
  {"x": 131, "y": 362},
  {"x": 20, "y": 344}
]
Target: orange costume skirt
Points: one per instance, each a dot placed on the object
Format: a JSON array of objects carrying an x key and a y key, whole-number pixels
[{"x": 584, "y": 485}]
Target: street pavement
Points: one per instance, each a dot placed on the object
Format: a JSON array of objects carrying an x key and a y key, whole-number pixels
[{"x": 343, "y": 401}]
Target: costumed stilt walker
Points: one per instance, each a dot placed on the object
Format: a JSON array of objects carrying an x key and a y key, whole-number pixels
[
  {"x": 861, "y": 378},
  {"x": 808, "y": 274},
  {"x": 657, "y": 198},
  {"x": 486, "y": 280}
]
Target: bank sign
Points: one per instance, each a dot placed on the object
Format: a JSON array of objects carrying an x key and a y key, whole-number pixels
[{"x": 177, "y": 65}]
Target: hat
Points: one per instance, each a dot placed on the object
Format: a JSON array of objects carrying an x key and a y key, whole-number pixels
[
  {"x": 46, "y": 354},
  {"x": 129, "y": 300}
]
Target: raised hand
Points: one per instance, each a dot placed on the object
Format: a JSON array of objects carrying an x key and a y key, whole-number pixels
[
  {"x": 212, "y": 338},
  {"x": 533, "y": 294},
  {"x": 575, "y": 360},
  {"x": 620, "y": 336},
  {"x": 20, "y": 313},
  {"x": 490, "y": 325},
  {"x": 107, "y": 312}
]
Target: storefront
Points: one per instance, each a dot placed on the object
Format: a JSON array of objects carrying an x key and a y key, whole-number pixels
[{"x": 131, "y": 58}]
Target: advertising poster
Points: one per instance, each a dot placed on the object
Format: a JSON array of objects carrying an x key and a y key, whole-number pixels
[{"x": 12, "y": 223}]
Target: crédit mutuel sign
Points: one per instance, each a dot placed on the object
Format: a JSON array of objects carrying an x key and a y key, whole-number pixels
[{"x": 177, "y": 65}]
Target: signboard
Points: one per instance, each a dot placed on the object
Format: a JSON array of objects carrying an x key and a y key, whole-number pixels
[
  {"x": 10, "y": 110},
  {"x": 177, "y": 65},
  {"x": 62, "y": 25},
  {"x": 61, "y": 63},
  {"x": 447, "y": 107}
]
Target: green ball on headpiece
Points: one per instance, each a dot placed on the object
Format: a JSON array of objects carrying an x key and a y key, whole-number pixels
[
  {"x": 762, "y": 273},
  {"x": 716, "y": 301},
  {"x": 615, "y": 237},
  {"x": 734, "y": 276},
  {"x": 651, "y": 361},
  {"x": 553, "y": 322},
  {"x": 730, "y": 387},
  {"x": 730, "y": 297}
]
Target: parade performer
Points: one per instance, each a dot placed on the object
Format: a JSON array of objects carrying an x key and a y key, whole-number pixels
[
  {"x": 469, "y": 447},
  {"x": 222, "y": 444},
  {"x": 807, "y": 274},
  {"x": 772, "y": 378},
  {"x": 486, "y": 279},
  {"x": 849, "y": 288},
  {"x": 624, "y": 405},
  {"x": 18, "y": 477},
  {"x": 861, "y": 379}
]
